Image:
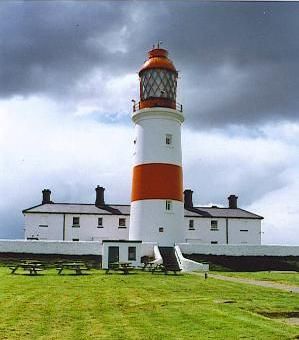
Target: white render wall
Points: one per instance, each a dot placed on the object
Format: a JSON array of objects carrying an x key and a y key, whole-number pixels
[
  {"x": 151, "y": 127},
  {"x": 95, "y": 248},
  {"x": 230, "y": 231},
  {"x": 88, "y": 230},
  {"x": 147, "y": 216},
  {"x": 51, "y": 247},
  {"x": 239, "y": 249}
]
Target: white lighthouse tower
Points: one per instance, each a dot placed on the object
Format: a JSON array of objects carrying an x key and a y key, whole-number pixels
[{"x": 157, "y": 208}]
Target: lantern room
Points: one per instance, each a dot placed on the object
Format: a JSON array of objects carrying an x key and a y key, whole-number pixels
[{"x": 158, "y": 80}]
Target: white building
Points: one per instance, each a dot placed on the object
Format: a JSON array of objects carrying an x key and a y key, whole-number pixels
[{"x": 100, "y": 221}]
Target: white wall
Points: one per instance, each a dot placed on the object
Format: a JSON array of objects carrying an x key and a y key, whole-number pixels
[
  {"x": 239, "y": 249},
  {"x": 88, "y": 230},
  {"x": 51, "y": 247},
  {"x": 203, "y": 234},
  {"x": 236, "y": 236},
  {"x": 147, "y": 216},
  {"x": 53, "y": 221},
  {"x": 150, "y": 131}
]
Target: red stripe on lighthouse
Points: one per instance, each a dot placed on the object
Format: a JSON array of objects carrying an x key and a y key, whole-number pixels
[{"x": 157, "y": 181}]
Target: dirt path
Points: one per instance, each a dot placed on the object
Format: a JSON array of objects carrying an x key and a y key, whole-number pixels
[{"x": 292, "y": 289}]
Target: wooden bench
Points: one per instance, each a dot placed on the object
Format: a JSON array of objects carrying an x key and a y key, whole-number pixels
[
  {"x": 77, "y": 267},
  {"x": 125, "y": 267},
  {"x": 32, "y": 268},
  {"x": 166, "y": 269}
]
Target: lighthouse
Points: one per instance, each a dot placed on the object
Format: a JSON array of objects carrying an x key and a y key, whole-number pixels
[{"x": 157, "y": 208}]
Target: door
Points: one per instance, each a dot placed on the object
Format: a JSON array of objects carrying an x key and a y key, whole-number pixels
[{"x": 113, "y": 255}]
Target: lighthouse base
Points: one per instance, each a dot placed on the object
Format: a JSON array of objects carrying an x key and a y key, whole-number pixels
[{"x": 151, "y": 222}]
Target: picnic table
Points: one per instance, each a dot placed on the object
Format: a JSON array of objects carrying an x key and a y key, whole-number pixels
[
  {"x": 125, "y": 267},
  {"x": 77, "y": 267},
  {"x": 148, "y": 266},
  {"x": 32, "y": 267}
]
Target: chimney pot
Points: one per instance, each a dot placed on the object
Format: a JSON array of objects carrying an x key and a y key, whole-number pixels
[
  {"x": 46, "y": 196},
  {"x": 188, "y": 202},
  {"x": 100, "y": 200},
  {"x": 233, "y": 202}
]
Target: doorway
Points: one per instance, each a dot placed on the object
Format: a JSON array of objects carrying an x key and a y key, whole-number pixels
[{"x": 113, "y": 254}]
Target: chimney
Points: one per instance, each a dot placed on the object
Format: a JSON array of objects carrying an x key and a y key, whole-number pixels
[
  {"x": 100, "y": 200},
  {"x": 188, "y": 202},
  {"x": 46, "y": 196},
  {"x": 233, "y": 202}
]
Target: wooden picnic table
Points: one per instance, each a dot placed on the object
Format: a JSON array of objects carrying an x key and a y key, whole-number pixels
[
  {"x": 32, "y": 267},
  {"x": 78, "y": 267},
  {"x": 125, "y": 267},
  {"x": 149, "y": 265}
]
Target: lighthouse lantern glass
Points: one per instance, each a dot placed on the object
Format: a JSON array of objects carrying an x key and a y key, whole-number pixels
[{"x": 157, "y": 83}]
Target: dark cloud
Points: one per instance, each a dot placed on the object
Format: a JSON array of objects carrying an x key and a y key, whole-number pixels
[{"x": 239, "y": 61}]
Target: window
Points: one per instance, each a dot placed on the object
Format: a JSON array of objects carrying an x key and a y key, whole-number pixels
[
  {"x": 76, "y": 222},
  {"x": 214, "y": 242},
  {"x": 75, "y": 239},
  {"x": 132, "y": 253},
  {"x": 168, "y": 139},
  {"x": 100, "y": 222},
  {"x": 168, "y": 205},
  {"x": 191, "y": 224},
  {"x": 161, "y": 229},
  {"x": 214, "y": 225},
  {"x": 122, "y": 223},
  {"x": 156, "y": 83}
]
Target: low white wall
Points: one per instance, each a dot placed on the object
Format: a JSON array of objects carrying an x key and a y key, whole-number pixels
[
  {"x": 188, "y": 265},
  {"x": 239, "y": 250},
  {"x": 51, "y": 247},
  {"x": 147, "y": 248}
]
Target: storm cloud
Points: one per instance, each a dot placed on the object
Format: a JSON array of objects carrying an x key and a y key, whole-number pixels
[{"x": 238, "y": 61}]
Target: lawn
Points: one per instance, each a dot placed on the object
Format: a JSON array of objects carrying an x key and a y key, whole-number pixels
[
  {"x": 139, "y": 306},
  {"x": 280, "y": 277}
]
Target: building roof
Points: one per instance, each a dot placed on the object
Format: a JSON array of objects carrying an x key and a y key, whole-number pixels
[
  {"x": 119, "y": 209},
  {"x": 214, "y": 212},
  {"x": 78, "y": 208}
]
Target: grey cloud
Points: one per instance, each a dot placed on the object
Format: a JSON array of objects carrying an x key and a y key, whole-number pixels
[
  {"x": 49, "y": 47},
  {"x": 46, "y": 47}
]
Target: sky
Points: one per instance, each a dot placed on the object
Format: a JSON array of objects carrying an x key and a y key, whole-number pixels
[{"x": 69, "y": 71}]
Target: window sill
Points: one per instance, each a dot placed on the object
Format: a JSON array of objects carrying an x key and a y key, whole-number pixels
[
  {"x": 191, "y": 229},
  {"x": 122, "y": 227},
  {"x": 214, "y": 229},
  {"x": 75, "y": 226},
  {"x": 100, "y": 227}
]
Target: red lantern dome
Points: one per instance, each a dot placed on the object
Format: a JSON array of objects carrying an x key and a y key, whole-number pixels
[{"x": 158, "y": 81}]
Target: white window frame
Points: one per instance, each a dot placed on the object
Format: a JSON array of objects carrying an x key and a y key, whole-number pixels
[
  {"x": 100, "y": 225},
  {"x": 168, "y": 139},
  {"x": 122, "y": 226},
  {"x": 75, "y": 225},
  {"x": 191, "y": 224},
  {"x": 168, "y": 205},
  {"x": 214, "y": 225}
]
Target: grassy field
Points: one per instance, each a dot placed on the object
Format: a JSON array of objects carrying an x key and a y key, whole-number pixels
[
  {"x": 139, "y": 306},
  {"x": 280, "y": 277}
]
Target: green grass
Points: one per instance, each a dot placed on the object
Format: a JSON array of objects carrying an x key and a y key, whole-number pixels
[
  {"x": 280, "y": 277},
  {"x": 139, "y": 306}
]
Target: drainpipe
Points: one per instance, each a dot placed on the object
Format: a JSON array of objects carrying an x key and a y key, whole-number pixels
[
  {"x": 226, "y": 229},
  {"x": 63, "y": 228}
]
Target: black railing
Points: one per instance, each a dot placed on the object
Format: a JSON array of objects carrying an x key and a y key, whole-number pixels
[{"x": 136, "y": 107}]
